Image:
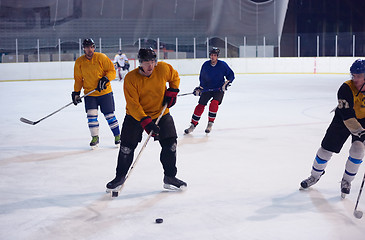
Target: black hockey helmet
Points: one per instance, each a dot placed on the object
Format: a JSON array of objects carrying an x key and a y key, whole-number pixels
[
  {"x": 88, "y": 42},
  {"x": 146, "y": 54},
  {"x": 214, "y": 50},
  {"x": 358, "y": 67}
]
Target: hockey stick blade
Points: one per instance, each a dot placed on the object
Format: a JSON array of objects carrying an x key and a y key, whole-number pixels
[
  {"x": 358, "y": 214},
  {"x": 24, "y": 120}
]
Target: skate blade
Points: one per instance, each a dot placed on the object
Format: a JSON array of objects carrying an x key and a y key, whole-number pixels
[
  {"x": 343, "y": 195},
  {"x": 173, "y": 188},
  {"x": 94, "y": 147},
  {"x": 115, "y": 191}
]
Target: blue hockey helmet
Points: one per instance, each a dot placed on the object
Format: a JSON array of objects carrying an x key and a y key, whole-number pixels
[{"x": 358, "y": 67}]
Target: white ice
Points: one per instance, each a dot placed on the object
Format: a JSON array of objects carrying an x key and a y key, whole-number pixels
[{"x": 243, "y": 178}]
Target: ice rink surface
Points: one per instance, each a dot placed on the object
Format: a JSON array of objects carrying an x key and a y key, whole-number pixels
[{"x": 243, "y": 178}]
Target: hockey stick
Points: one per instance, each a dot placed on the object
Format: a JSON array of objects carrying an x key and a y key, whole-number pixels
[
  {"x": 209, "y": 90},
  {"x": 24, "y": 120},
  {"x": 184, "y": 94},
  {"x": 115, "y": 193},
  {"x": 357, "y": 213}
]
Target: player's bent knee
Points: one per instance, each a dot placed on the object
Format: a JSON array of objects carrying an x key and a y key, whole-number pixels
[
  {"x": 324, "y": 154},
  {"x": 357, "y": 150},
  {"x": 170, "y": 144},
  {"x": 125, "y": 150}
]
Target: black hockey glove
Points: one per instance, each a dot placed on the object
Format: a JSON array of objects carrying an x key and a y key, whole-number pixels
[
  {"x": 102, "y": 83},
  {"x": 149, "y": 126},
  {"x": 198, "y": 91},
  {"x": 225, "y": 86},
  {"x": 170, "y": 97},
  {"x": 76, "y": 97}
]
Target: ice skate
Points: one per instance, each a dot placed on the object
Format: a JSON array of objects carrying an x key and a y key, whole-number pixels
[
  {"x": 209, "y": 127},
  {"x": 115, "y": 185},
  {"x": 117, "y": 140},
  {"x": 310, "y": 181},
  {"x": 345, "y": 188},
  {"x": 94, "y": 142},
  {"x": 173, "y": 183},
  {"x": 190, "y": 129}
]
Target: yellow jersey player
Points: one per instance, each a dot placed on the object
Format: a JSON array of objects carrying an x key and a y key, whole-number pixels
[
  {"x": 93, "y": 71},
  {"x": 146, "y": 95},
  {"x": 349, "y": 120}
]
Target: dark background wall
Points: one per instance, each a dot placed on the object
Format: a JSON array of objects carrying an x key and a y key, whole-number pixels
[
  {"x": 314, "y": 25},
  {"x": 326, "y": 19}
]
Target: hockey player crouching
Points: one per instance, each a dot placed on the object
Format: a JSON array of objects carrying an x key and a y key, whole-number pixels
[
  {"x": 146, "y": 94},
  {"x": 349, "y": 120},
  {"x": 121, "y": 64}
]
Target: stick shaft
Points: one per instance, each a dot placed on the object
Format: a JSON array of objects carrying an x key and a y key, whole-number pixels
[
  {"x": 183, "y": 94},
  {"x": 143, "y": 147},
  {"x": 358, "y": 197},
  {"x": 33, "y": 123}
]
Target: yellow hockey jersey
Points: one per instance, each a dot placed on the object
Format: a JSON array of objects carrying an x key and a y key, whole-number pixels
[
  {"x": 88, "y": 72},
  {"x": 351, "y": 107},
  {"x": 358, "y": 102},
  {"x": 144, "y": 95}
]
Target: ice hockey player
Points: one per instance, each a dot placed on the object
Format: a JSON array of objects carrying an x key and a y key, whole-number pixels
[
  {"x": 215, "y": 77},
  {"x": 93, "y": 71},
  {"x": 122, "y": 64},
  {"x": 146, "y": 94},
  {"x": 349, "y": 119}
]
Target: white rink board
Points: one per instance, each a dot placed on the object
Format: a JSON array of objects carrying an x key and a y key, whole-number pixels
[{"x": 64, "y": 70}]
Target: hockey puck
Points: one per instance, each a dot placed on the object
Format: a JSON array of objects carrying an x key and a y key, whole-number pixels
[{"x": 159, "y": 220}]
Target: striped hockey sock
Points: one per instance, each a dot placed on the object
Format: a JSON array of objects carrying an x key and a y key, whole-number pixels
[
  {"x": 199, "y": 109},
  {"x": 92, "y": 118},
  {"x": 113, "y": 123},
  {"x": 213, "y": 109}
]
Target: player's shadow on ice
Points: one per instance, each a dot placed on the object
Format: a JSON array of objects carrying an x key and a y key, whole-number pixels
[
  {"x": 300, "y": 201},
  {"x": 186, "y": 139},
  {"x": 145, "y": 194},
  {"x": 290, "y": 204}
]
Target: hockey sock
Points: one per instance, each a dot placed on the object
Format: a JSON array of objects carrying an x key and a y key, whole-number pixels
[
  {"x": 213, "y": 109},
  {"x": 320, "y": 162},
  {"x": 354, "y": 160},
  {"x": 92, "y": 118},
  {"x": 199, "y": 109},
  {"x": 113, "y": 123}
]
